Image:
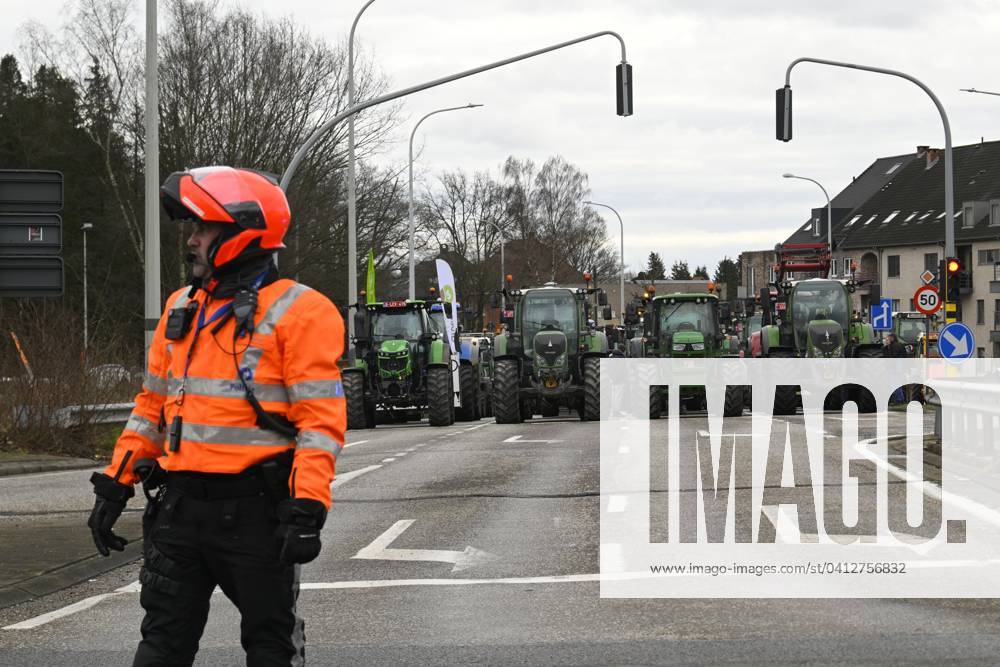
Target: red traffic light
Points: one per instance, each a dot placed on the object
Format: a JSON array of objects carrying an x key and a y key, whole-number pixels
[{"x": 953, "y": 266}]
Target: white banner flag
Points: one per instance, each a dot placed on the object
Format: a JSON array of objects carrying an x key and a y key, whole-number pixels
[{"x": 446, "y": 283}]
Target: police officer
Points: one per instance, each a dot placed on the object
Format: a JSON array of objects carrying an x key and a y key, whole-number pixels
[{"x": 236, "y": 429}]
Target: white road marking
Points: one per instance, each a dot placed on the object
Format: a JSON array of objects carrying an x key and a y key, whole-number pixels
[
  {"x": 617, "y": 503},
  {"x": 784, "y": 518},
  {"x": 517, "y": 439},
  {"x": 401, "y": 454},
  {"x": 389, "y": 460},
  {"x": 348, "y": 476},
  {"x": 69, "y": 610},
  {"x": 480, "y": 426},
  {"x": 379, "y": 550},
  {"x": 359, "y": 442}
]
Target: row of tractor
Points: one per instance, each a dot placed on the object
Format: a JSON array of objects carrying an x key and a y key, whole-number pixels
[{"x": 403, "y": 366}]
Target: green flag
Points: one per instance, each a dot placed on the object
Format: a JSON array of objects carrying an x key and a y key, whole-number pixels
[{"x": 370, "y": 283}]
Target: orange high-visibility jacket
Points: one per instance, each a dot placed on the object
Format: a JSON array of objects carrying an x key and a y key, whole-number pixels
[{"x": 290, "y": 362}]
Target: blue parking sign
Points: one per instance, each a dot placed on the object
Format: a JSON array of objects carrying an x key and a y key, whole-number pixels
[
  {"x": 956, "y": 341},
  {"x": 881, "y": 315}
]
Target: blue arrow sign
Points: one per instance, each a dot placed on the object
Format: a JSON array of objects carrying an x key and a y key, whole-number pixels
[
  {"x": 956, "y": 341},
  {"x": 881, "y": 315}
]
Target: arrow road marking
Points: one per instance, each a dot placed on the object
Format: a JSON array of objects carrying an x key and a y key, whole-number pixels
[
  {"x": 961, "y": 343},
  {"x": 462, "y": 560},
  {"x": 517, "y": 438}
]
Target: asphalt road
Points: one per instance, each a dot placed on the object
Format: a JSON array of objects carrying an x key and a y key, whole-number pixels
[{"x": 520, "y": 503}]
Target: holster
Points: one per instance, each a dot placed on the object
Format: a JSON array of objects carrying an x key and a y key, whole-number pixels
[{"x": 275, "y": 472}]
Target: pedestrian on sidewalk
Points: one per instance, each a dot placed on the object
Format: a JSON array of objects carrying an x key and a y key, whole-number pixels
[{"x": 236, "y": 429}]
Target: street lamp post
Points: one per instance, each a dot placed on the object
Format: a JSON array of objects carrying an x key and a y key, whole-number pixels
[
  {"x": 413, "y": 283},
  {"x": 503, "y": 273},
  {"x": 829, "y": 210},
  {"x": 784, "y": 133},
  {"x": 981, "y": 92},
  {"x": 621, "y": 265},
  {"x": 84, "y": 228},
  {"x": 352, "y": 220}
]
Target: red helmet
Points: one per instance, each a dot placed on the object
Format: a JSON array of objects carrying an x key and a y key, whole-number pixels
[{"x": 250, "y": 203}]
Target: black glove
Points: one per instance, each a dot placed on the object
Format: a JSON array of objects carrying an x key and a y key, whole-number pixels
[
  {"x": 111, "y": 499},
  {"x": 300, "y": 521}
]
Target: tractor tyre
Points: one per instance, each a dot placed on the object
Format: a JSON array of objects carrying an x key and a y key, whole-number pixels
[
  {"x": 592, "y": 389},
  {"x": 861, "y": 394},
  {"x": 439, "y": 401},
  {"x": 786, "y": 399},
  {"x": 734, "y": 401},
  {"x": 468, "y": 389},
  {"x": 358, "y": 416},
  {"x": 506, "y": 399},
  {"x": 655, "y": 403}
]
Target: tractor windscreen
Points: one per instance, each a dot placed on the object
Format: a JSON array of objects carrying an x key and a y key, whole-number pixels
[
  {"x": 821, "y": 300},
  {"x": 549, "y": 309},
  {"x": 437, "y": 319},
  {"x": 687, "y": 316},
  {"x": 911, "y": 329},
  {"x": 753, "y": 324},
  {"x": 402, "y": 324}
]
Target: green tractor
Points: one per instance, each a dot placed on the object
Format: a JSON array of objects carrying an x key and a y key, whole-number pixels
[
  {"x": 812, "y": 318},
  {"x": 909, "y": 327},
  {"x": 401, "y": 363},
  {"x": 686, "y": 326},
  {"x": 550, "y": 355}
]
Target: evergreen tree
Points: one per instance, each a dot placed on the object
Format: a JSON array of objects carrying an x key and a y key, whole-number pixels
[
  {"x": 700, "y": 273},
  {"x": 728, "y": 272},
  {"x": 680, "y": 271},
  {"x": 655, "y": 269}
]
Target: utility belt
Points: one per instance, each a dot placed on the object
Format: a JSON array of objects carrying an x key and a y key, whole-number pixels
[{"x": 267, "y": 478}]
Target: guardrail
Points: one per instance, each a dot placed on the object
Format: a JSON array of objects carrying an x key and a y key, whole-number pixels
[{"x": 74, "y": 415}]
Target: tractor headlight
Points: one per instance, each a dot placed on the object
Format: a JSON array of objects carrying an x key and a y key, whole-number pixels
[
  {"x": 679, "y": 347},
  {"x": 698, "y": 346}
]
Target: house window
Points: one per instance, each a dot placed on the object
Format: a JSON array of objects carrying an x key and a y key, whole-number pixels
[
  {"x": 847, "y": 265},
  {"x": 890, "y": 217},
  {"x": 931, "y": 261},
  {"x": 895, "y": 305},
  {"x": 968, "y": 216},
  {"x": 893, "y": 263},
  {"x": 771, "y": 277},
  {"x": 980, "y": 311},
  {"x": 994, "y": 213},
  {"x": 753, "y": 279},
  {"x": 988, "y": 257}
]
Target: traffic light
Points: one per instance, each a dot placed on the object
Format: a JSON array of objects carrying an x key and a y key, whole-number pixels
[{"x": 952, "y": 269}]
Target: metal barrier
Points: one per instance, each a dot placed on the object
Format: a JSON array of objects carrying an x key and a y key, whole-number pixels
[{"x": 74, "y": 415}]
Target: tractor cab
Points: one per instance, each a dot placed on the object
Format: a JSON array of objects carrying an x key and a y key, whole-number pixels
[
  {"x": 909, "y": 327},
  {"x": 685, "y": 325}
]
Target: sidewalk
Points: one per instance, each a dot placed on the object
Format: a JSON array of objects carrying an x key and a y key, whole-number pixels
[{"x": 23, "y": 464}]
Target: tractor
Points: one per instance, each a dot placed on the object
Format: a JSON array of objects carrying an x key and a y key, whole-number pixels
[
  {"x": 909, "y": 326},
  {"x": 475, "y": 366},
  {"x": 550, "y": 355},
  {"x": 401, "y": 363},
  {"x": 812, "y": 318},
  {"x": 686, "y": 326}
]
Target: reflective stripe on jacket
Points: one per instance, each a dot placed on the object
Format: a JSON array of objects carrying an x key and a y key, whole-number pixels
[{"x": 290, "y": 362}]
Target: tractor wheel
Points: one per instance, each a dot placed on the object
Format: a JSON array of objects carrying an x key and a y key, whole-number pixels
[
  {"x": 358, "y": 416},
  {"x": 439, "y": 402},
  {"x": 467, "y": 388},
  {"x": 734, "y": 401},
  {"x": 861, "y": 394},
  {"x": 747, "y": 398},
  {"x": 592, "y": 389},
  {"x": 506, "y": 399},
  {"x": 786, "y": 399},
  {"x": 550, "y": 409},
  {"x": 655, "y": 403}
]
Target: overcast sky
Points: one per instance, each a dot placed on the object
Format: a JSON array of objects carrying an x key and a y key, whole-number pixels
[{"x": 696, "y": 172}]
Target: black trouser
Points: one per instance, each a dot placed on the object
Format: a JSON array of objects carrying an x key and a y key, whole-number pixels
[{"x": 193, "y": 543}]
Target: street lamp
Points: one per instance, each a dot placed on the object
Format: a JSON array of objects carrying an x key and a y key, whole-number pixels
[
  {"x": 829, "y": 210},
  {"x": 981, "y": 92},
  {"x": 623, "y": 94},
  {"x": 621, "y": 266},
  {"x": 352, "y": 220},
  {"x": 413, "y": 283},
  {"x": 784, "y": 132},
  {"x": 84, "y": 228}
]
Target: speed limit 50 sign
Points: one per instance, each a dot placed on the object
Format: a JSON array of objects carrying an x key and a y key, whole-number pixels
[{"x": 927, "y": 300}]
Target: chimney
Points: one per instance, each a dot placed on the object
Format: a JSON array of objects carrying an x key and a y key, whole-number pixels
[
  {"x": 932, "y": 157},
  {"x": 921, "y": 150}
]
